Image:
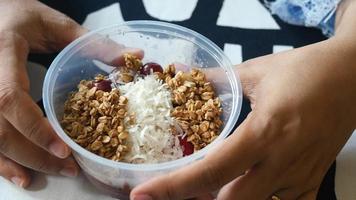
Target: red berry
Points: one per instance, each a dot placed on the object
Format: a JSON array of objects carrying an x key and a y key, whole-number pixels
[
  {"x": 150, "y": 67},
  {"x": 188, "y": 147},
  {"x": 104, "y": 85}
]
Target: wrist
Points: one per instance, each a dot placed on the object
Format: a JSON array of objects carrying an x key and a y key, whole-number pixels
[
  {"x": 335, "y": 70},
  {"x": 344, "y": 50}
]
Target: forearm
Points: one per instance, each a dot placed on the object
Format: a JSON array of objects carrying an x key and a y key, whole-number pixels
[{"x": 345, "y": 43}]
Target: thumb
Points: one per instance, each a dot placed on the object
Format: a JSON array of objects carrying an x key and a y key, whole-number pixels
[{"x": 225, "y": 162}]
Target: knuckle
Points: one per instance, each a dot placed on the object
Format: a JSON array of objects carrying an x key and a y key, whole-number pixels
[
  {"x": 33, "y": 131},
  {"x": 263, "y": 126},
  {"x": 68, "y": 23},
  {"x": 57, "y": 24},
  {"x": 8, "y": 95}
]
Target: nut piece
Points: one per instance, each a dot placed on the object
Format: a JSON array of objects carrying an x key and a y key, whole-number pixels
[
  {"x": 114, "y": 142},
  {"x": 123, "y": 135},
  {"x": 182, "y": 89},
  {"x": 132, "y": 62},
  {"x": 207, "y": 96},
  {"x": 120, "y": 129},
  {"x": 204, "y": 126},
  {"x": 170, "y": 70},
  {"x": 96, "y": 145},
  {"x": 126, "y": 77},
  {"x": 106, "y": 139},
  {"x": 91, "y": 92},
  {"x": 123, "y": 100}
]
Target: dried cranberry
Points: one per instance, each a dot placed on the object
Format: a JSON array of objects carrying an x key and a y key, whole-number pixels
[
  {"x": 188, "y": 147},
  {"x": 150, "y": 67},
  {"x": 104, "y": 85}
]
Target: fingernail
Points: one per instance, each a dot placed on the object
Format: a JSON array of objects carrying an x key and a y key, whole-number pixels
[
  {"x": 136, "y": 51},
  {"x": 58, "y": 149},
  {"x": 130, "y": 49},
  {"x": 18, "y": 181},
  {"x": 142, "y": 197},
  {"x": 69, "y": 171}
]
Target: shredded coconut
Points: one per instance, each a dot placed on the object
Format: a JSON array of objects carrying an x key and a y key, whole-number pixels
[{"x": 151, "y": 139}]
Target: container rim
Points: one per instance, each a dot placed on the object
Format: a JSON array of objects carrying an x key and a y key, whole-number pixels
[{"x": 167, "y": 28}]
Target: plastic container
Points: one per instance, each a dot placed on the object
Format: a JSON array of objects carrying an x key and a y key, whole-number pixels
[{"x": 163, "y": 43}]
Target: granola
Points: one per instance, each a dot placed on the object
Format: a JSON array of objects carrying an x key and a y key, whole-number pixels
[
  {"x": 196, "y": 107},
  {"x": 98, "y": 118},
  {"x": 94, "y": 119}
]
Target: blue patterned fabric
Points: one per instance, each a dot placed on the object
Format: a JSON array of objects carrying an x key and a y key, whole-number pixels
[{"x": 310, "y": 13}]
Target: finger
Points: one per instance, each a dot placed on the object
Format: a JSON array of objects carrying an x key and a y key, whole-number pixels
[
  {"x": 250, "y": 69},
  {"x": 15, "y": 103},
  {"x": 204, "y": 197},
  {"x": 61, "y": 30},
  {"x": 310, "y": 195},
  {"x": 108, "y": 51},
  {"x": 13, "y": 57},
  {"x": 227, "y": 161},
  {"x": 181, "y": 67},
  {"x": 255, "y": 184},
  {"x": 226, "y": 191},
  {"x": 17, "y": 148},
  {"x": 288, "y": 193},
  {"x": 66, "y": 30},
  {"x": 19, "y": 109},
  {"x": 58, "y": 29},
  {"x": 14, "y": 172}
]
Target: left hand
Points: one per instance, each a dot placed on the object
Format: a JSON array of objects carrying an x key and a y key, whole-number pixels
[
  {"x": 303, "y": 112},
  {"x": 27, "y": 140}
]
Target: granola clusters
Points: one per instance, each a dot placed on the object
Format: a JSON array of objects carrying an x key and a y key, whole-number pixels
[
  {"x": 133, "y": 114},
  {"x": 196, "y": 108},
  {"x": 127, "y": 74},
  {"x": 95, "y": 120}
]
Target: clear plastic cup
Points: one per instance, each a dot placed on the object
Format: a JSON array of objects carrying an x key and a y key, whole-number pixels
[{"x": 163, "y": 43}]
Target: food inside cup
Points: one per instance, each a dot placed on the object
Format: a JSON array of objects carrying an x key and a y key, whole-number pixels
[{"x": 142, "y": 113}]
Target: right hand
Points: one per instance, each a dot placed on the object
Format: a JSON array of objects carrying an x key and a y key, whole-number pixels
[{"x": 26, "y": 137}]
